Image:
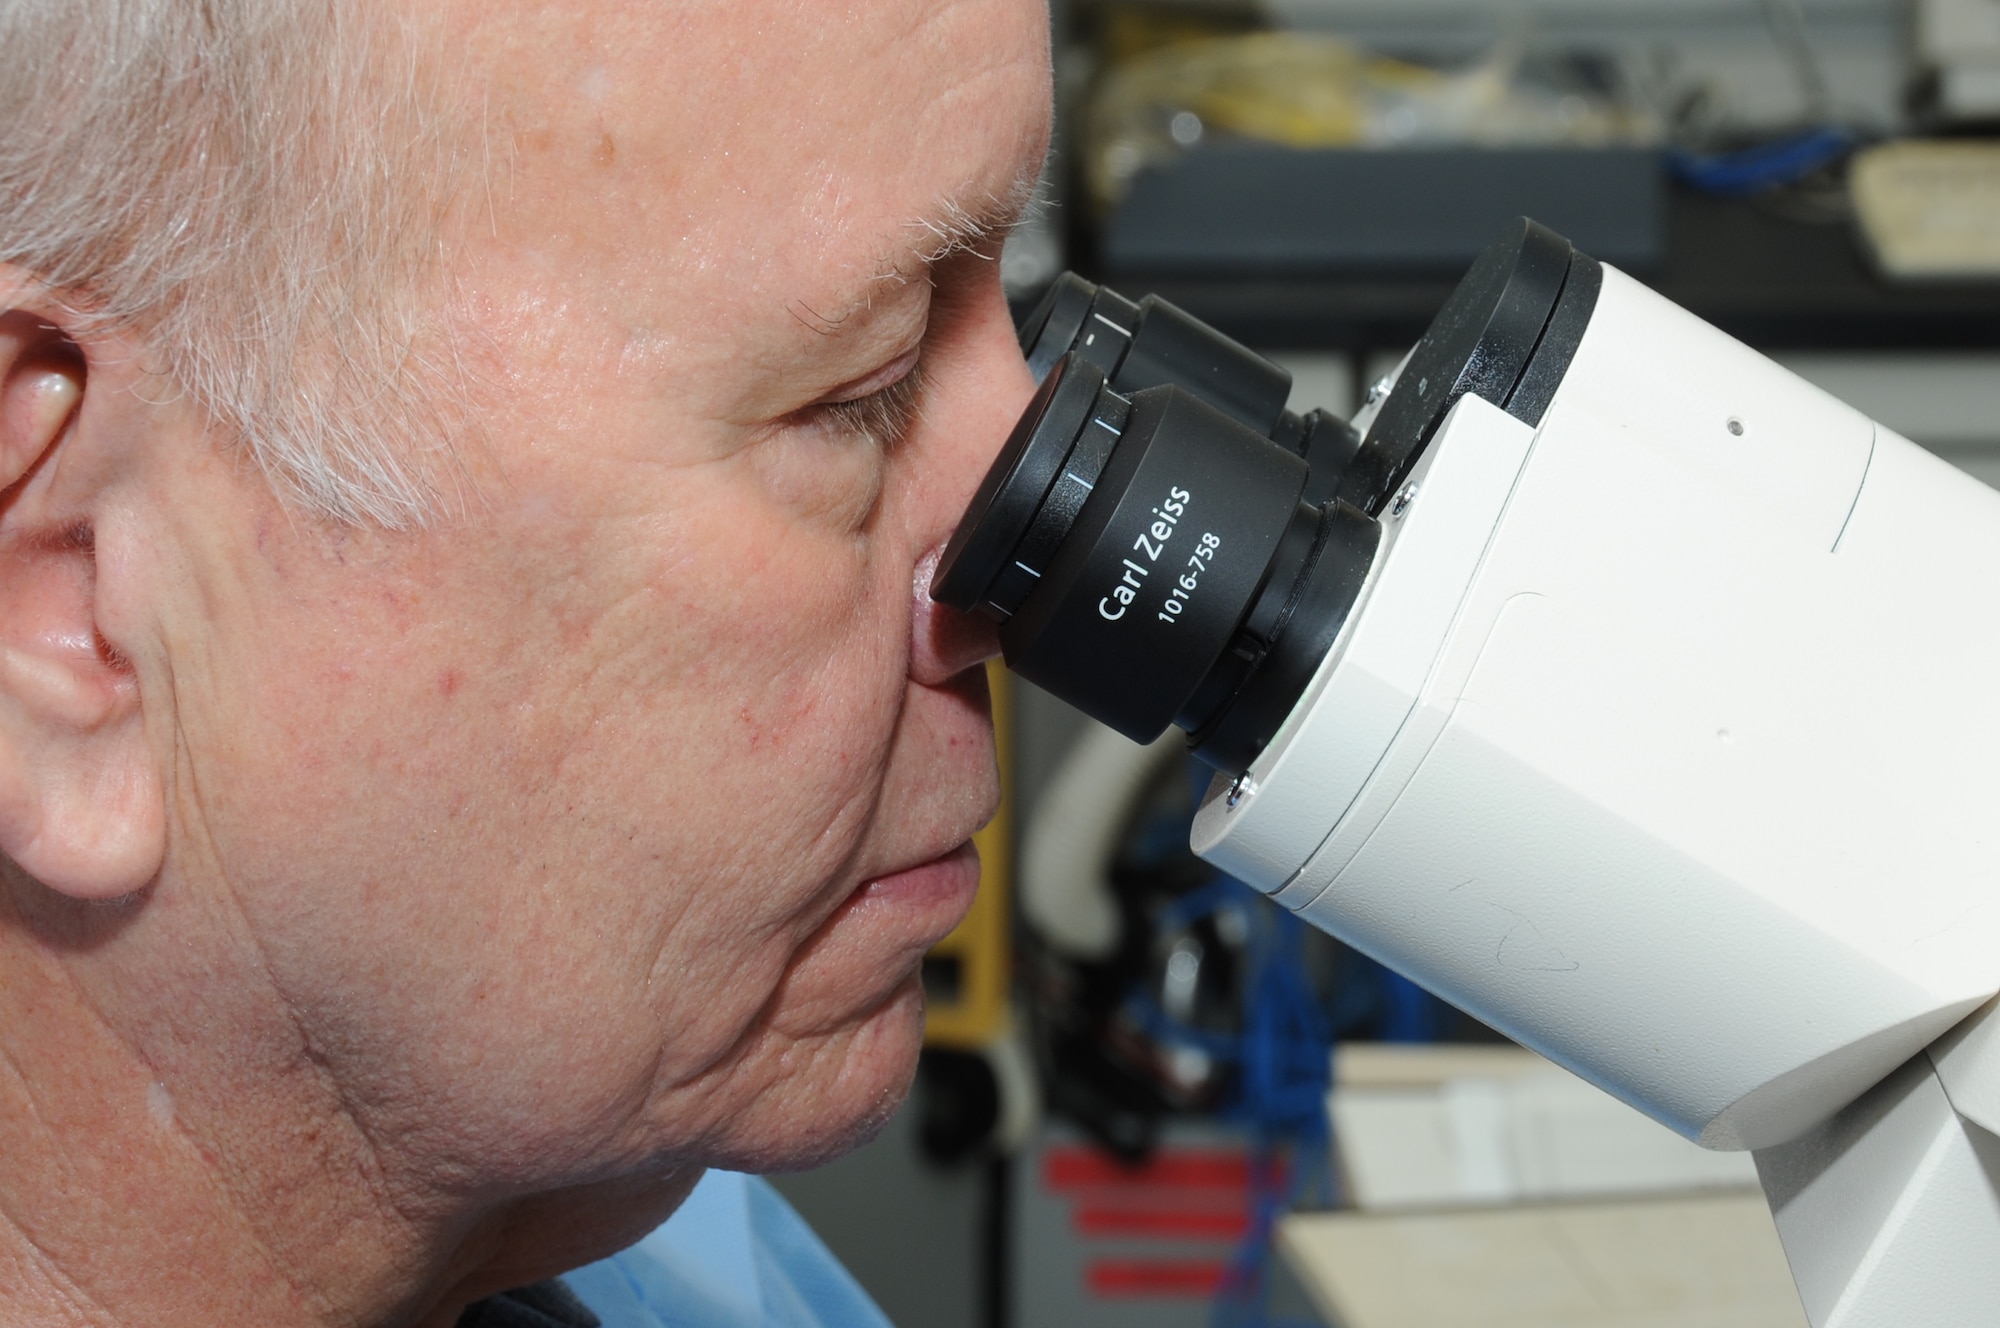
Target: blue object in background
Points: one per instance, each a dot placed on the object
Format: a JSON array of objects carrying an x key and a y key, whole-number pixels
[
  {"x": 734, "y": 1256},
  {"x": 1285, "y": 1066},
  {"x": 1283, "y": 1056},
  {"x": 1412, "y": 1011},
  {"x": 1766, "y": 166}
]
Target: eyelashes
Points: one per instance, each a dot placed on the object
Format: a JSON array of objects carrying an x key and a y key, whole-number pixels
[{"x": 885, "y": 417}]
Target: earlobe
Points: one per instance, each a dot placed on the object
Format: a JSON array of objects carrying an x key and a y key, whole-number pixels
[
  {"x": 80, "y": 800},
  {"x": 80, "y": 809},
  {"x": 86, "y": 819}
]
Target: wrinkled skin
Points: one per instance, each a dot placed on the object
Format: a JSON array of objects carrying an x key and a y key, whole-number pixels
[{"x": 496, "y": 878}]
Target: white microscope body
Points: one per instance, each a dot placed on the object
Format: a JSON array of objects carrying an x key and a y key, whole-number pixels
[{"x": 1665, "y": 738}]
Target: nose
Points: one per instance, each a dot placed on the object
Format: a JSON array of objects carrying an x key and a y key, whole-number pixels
[{"x": 946, "y": 642}]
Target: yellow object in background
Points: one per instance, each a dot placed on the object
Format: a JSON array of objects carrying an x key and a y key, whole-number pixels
[
  {"x": 1300, "y": 90},
  {"x": 1320, "y": 92},
  {"x": 969, "y": 974},
  {"x": 1930, "y": 209}
]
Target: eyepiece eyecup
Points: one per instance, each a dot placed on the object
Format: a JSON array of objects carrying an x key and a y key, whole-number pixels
[
  {"x": 1052, "y": 326},
  {"x": 1004, "y": 508}
]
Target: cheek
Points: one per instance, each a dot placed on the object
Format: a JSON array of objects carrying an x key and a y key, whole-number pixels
[
  {"x": 753, "y": 747},
  {"x": 785, "y": 641},
  {"x": 769, "y": 661},
  {"x": 644, "y": 752}
]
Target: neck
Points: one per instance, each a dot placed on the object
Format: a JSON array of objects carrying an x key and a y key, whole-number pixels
[
  {"x": 173, "y": 1152},
  {"x": 161, "y": 1162},
  {"x": 35, "y": 1291}
]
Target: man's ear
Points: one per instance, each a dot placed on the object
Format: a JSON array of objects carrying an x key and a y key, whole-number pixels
[{"x": 81, "y": 804}]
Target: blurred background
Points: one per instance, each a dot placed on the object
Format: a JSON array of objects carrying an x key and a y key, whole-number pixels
[{"x": 1150, "y": 1097}]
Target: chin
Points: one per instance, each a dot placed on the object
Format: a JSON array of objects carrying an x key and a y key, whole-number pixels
[{"x": 839, "y": 1105}]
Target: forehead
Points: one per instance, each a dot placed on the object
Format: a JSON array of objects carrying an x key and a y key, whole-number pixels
[{"x": 768, "y": 150}]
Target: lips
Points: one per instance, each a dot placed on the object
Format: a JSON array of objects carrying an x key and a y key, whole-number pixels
[{"x": 929, "y": 899}]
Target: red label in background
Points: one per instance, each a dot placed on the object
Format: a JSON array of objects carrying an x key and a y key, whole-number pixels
[
  {"x": 1180, "y": 1197},
  {"x": 1069, "y": 1168},
  {"x": 1172, "y": 1223},
  {"x": 1155, "y": 1277}
]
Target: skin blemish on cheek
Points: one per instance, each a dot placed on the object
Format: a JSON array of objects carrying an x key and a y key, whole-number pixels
[
  {"x": 448, "y": 682},
  {"x": 759, "y": 734},
  {"x": 607, "y": 150}
]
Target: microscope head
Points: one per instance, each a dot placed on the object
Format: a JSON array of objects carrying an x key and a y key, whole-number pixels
[{"x": 1604, "y": 677}]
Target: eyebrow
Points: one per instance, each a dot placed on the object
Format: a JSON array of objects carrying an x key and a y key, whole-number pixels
[{"x": 951, "y": 226}]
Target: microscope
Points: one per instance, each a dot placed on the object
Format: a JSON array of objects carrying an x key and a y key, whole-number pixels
[{"x": 1605, "y": 678}]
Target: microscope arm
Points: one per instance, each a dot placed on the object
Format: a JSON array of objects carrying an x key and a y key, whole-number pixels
[{"x": 1890, "y": 1211}]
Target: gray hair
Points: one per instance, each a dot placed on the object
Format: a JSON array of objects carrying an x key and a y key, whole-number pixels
[{"x": 257, "y": 186}]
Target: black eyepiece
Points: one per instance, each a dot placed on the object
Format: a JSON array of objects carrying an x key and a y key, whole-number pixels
[
  {"x": 1151, "y": 561},
  {"x": 1163, "y": 543}
]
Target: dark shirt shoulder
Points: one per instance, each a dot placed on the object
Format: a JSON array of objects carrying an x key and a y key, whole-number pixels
[{"x": 544, "y": 1305}]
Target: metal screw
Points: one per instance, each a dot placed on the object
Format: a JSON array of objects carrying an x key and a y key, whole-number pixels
[
  {"x": 1242, "y": 788},
  {"x": 1379, "y": 389},
  {"x": 1403, "y": 499}
]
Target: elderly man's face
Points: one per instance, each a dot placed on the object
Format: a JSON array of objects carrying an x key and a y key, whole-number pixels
[{"x": 610, "y": 822}]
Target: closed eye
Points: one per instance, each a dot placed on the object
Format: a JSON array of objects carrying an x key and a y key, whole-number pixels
[{"x": 883, "y": 416}]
